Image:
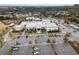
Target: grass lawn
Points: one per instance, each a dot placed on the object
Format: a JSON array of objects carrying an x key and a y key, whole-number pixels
[
  {"x": 2, "y": 27},
  {"x": 3, "y": 31}
]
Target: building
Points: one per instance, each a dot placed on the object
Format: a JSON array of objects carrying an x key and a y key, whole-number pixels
[
  {"x": 34, "y": 24},
  {"x": 31, "y": 18},
  {"x": 74, "y": 26},
  {"x": 51, "y": 27},
  {"x": 18, "y": 28},
  {"x": 38, "y": 25}
]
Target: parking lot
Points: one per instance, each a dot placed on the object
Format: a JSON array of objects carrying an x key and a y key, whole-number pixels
[{"x": 25, "y": 48}]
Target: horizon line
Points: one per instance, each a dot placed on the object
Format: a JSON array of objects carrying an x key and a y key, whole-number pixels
[{"x": 36, "y": 4}]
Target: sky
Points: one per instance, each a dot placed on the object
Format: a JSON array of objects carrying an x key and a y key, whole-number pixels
[{"x": 38, "y": 2}]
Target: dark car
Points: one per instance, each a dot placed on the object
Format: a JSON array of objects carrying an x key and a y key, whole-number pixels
[{"x": 26, "y": 36}]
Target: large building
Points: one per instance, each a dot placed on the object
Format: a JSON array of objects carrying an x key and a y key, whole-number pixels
[
  {"x": 47, "y": 24},
  {"x": 18, "y": 28},
  {"x": 31, "y": 18}
]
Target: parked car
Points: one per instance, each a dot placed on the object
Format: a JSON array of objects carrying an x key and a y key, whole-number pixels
[
  {"x": 15, "y": 48},
  {"x": 18, "y": 37},
  {"x": 26, "y": 36},
  {"x": 50, "y": 35},
  {"x": 35, "y": 48},
  {"x": 36, "y": 53}
]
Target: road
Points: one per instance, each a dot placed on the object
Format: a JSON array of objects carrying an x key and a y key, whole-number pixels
[
  {"x": 6, "y": 38},
  {"x": 8, "y": 44},
  {"x": 69, "y": 29},
  {"x": 65, "y": 49},
  {"x": 74, "y": 36},
  {"x": 4, "y": 50}
]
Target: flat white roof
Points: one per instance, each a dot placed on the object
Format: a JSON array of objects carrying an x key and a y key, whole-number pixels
[
  {"x": 18, "y": 27},
  {"x": 74, "y": 26},
  {"x": 34, "y": 24},
  {"x": 51, "y": 25},
  {"x": 37, "y": 24},
  {"x": 40, "y": 24}
]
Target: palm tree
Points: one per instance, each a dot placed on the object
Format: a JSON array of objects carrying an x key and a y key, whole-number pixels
[
  {"x": 34, "y": 30},
  {"x": 53, "y": 41},
  {"x": 65, "y": 40},
  {"x": 43, "y": 30},
  {"x": 68, "y": 34}
]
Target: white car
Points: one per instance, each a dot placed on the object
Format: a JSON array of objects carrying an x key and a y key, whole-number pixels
[
  {"x": 35, "y": 48},
  {"x": 36, "y": 53},
  {"x": 15, "y": 48}
]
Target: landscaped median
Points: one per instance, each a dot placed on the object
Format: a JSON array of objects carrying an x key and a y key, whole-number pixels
[
  {"x": 52, "y": 43},
  {"x": 10, "y": 50},
  {"x": 75, "y": 45}
]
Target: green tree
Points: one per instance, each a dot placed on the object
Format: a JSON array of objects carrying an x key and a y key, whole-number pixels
[
  {"x": 53, "y": 41},
  {"x": 48, "y": 41},
  {"x": 65, "y": 40},
  {"x": 2, "y": 17}
]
